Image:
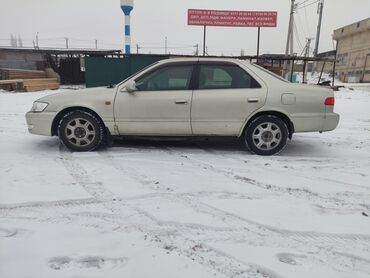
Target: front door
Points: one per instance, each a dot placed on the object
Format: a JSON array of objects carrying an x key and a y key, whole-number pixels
[
  {"x": 160, "y": 105},
  {"x": 225, "y": 97}
]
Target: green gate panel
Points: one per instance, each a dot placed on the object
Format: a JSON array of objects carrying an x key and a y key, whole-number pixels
[{"x": 101, "y": 71}]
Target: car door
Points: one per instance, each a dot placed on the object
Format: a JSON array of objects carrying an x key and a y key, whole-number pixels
[
  {"x": 160, "y": 105},
  {"x": 225, "y": 97}
]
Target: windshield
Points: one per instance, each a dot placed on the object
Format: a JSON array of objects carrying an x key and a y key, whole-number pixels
[{"x": 270, "y": 73}]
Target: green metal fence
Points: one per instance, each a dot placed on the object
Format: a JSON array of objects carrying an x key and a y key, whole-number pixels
[{"x": 102, "y": 71}]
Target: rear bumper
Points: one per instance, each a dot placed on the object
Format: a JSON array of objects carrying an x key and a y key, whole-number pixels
[
  {"x": 313, "y": 123},
  {"x": 40, "y": 123},
  {"x": 331, "y": 121}
]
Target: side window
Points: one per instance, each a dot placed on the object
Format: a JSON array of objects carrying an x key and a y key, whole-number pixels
[
  {"x": 166, "y": 78},
  {"x": 225, "y": 77}
]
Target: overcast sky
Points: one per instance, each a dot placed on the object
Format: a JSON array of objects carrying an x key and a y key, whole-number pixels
[{"x": 83, "y": 21}]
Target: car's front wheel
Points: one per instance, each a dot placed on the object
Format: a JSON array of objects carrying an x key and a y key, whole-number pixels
[
  {"x": 81, "y": 131},
  {"x": 266, "y": 135}
]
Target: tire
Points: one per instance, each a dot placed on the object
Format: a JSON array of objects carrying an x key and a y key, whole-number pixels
[
  {"x": 266, "y": 135},
  {"x": 81, "y": 131}
]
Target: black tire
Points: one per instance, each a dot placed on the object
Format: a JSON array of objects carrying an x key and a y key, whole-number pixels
[
  {"x": 266, "y": 135},
  {"x": 81, "y": 131}
]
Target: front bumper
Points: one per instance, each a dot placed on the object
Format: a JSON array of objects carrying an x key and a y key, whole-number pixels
[
  {"x": 331, "y": 121},
  {"x": 40, "y": 123}
]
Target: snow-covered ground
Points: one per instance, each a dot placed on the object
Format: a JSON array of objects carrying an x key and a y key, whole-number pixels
[{"x": 185, "y": 209}]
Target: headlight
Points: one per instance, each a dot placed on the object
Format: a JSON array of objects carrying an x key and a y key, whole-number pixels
[{"x": 39, "y": 106}]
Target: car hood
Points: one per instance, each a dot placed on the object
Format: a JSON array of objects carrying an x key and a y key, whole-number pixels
[
  {"x": 77, "y": 94},
  {"x": 93, "y": 99}
]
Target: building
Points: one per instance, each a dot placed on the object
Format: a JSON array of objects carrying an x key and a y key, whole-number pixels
[
  {"x": 326, "y": 66},
  {"x": 353, "y": 52},
  {"x": 68, "y": 63}
]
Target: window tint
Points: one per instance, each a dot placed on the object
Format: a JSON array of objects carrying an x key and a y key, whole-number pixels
[
  {"x": 166, "y": 78},
  {"x": 271, "y": 73},
  {"x": 225, "y": 77}
]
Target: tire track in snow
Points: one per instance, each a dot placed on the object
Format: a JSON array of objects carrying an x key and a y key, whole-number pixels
[
  {"x": 213, "y": 259},
  {"x": 246, "y": 230},
  {"x": 367, "y": 188},
  {"x": 197, "y": 205},
  {"x": 303, "y": 193},
  {"x": 48, "y": 204}
]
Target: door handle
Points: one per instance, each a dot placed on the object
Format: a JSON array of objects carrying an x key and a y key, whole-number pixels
[
  {"x": 181, "y": 102},
  {"x": 253, "y": 100}
]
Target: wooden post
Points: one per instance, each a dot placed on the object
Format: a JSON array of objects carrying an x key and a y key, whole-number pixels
[
  {"x": 304, "y": 71},
  {"x": 292, "y": 71},
  {"x": 364, "y": 70},
  {"x": 322, "y": 70},
  {"x": 335, "y": 63}
]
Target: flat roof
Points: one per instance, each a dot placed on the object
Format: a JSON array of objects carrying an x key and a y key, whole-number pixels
[
  {"x": 351, "y": 29},
  {"x": 59, "y": 51},
  {"x": 101, "y": 52}
]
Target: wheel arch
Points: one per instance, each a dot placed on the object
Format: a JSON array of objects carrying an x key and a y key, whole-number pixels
[
  {"x": 278, "y": 114},
  {"x": 62, "y": 113}
]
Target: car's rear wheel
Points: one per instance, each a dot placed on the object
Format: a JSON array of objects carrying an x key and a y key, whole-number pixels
[
  {"x": 81, "y": 131},
  {"x": 266, "y": 135}
]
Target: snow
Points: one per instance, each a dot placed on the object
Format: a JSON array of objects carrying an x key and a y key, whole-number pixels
[{"x": 196, "y": 208}]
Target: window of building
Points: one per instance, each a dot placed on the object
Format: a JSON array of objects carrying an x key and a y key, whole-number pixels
[{"x": 342, "y": 59}]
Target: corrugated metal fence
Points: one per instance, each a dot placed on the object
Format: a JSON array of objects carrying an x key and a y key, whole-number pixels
[{"x": 102, "y": 71}]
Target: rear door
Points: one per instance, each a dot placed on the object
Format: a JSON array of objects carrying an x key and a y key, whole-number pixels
[{"x": 225, "y": 97}]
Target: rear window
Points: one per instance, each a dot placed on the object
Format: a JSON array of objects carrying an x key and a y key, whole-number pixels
[{"x": 270, "y": 73}]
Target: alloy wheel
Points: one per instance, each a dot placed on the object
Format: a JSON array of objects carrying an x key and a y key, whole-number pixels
[
  {"x": 80, "y": 132},
  {"x": 267, "y": 136}
]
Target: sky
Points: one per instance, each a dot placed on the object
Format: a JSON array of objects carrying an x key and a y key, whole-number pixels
[{"x": 84, "y": 21}]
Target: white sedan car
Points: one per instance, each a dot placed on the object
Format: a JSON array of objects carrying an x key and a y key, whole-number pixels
[{"x": 188, "y": 97}]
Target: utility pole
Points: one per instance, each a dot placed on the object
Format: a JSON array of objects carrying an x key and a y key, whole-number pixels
[
  {"x": 165, "y": 45},
  {"x": 37, "y": 40},
  {"x": 258, "y": 42},
  {"x": 196, "y": 49},
  {"x": 308, "y": 47},
  {"x": 204, "y": 40},
  {"x": 137, "y": 48},
  {"x": 67, "y": 40},
  {"x": 96, "y": 44},
  {"x": 307, "y": 54},
  {"x": 289, "y": 42},
  {"x": 320, "y": 12}
]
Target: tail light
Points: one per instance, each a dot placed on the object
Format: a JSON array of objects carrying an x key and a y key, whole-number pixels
[{"x": 330, "y": 101}]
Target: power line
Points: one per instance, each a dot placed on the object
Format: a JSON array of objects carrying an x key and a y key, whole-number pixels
[
  {"x": 299, "y": 4},
  {"x": 301, "y": 25},
  {"x": 308, "y": 5},
  {"x": 297, "y": 36},
  {"x": 306, "y": 19}
]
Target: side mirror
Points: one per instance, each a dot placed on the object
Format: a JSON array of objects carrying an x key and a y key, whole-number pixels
[{"x": 131, "y": 86}]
